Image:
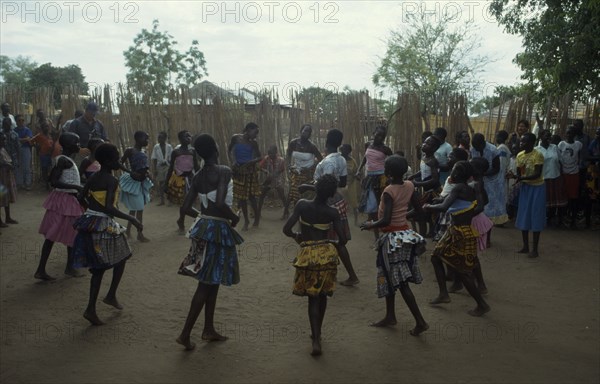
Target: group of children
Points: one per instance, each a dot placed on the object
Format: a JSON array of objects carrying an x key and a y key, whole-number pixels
[{"x": 82, "y": 215}]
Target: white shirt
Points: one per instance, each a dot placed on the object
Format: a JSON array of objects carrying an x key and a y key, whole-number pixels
[
  {"x": 441, "y": 155},
  {"x": 569, "y": 156},
  {"x": 551, "y": 161},
  {"x": 158, "y": 155},
  {"x": 333, "y": 164}
]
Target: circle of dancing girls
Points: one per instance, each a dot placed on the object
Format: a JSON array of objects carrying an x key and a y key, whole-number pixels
[
  {"x": 62, "y": 206},
  {"x": 100, "y": 243},
  {"x": 399, "y": 247},
  {"x": 244, "y": 156},
  {"x": 458, "y": 246},
  {"x": 317, "y": 259},
  {"x": 179, "y": 176},
  {"x": 300, "y": 158},
  {"x": 135, "y": 184},
  {"x": 212, "y": 258},
  {"x": 374, "y": 183}
]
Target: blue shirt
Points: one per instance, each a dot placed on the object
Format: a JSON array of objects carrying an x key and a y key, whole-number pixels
[{"x": 23, "y": 133}]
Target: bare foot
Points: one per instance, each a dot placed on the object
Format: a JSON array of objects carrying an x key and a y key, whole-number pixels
[
  {"x": 73, "y": 272},
  {"x": 245, "y": 227},
  {"x": 483, "y": 290},
  {"x": 523, "y": 250},
  {"x": 142, "y": 239},
  {"x": 11, "y": 221},
  {"x": 112, "y": 301},
  {"x": 479, "y": 311},
  {"x": 181, "y": 226},
  {"x": 316, "y": 348},
  {"x": 186, "y": 343},
  {"x": 92, "y": 318},
  {"x": 349, "y": 282},
  {"x": 3, "y": 225},
  {"x": 440, "y": 300},
  {"x": 44, "y": 276},
  {"x": 416, "y": 331},
  {"x": 533, "y": 255},
  {"x": 384, "y": 323},
  {"x": 455, "y": 288},
  {"x": 213, "y": 336}
]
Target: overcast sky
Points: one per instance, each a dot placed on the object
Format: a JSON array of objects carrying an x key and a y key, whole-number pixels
[{"x": 281, "y": 44}]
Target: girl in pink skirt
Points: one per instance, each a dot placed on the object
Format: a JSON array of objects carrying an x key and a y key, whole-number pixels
[{"x": 62, "y": 206}]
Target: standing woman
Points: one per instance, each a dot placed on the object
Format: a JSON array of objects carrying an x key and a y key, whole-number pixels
[
  {"x": 556, "y": 195},
  {"x": 212, "y": 258},
  {"x": 300, "y": 159},
  {"x": 531, "y": 213},
  {"x": 493, "y": 182},
  {"x": 244, "y": 155},
  {"x": 352, "y": 187},
  {"x": 372, "y": 186}
]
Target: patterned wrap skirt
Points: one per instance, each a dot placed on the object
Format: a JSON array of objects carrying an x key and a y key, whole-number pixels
[
  {"x": 372, "y": 188},
  {"x": 178, "y": 186},
  {"x": 134, "y": 194},
  {"x": 100, "y": 242},
  {"x": 316, "y": 268},
  {"x": 458, "y": 248},
  {"x": 297, "y": 179},
  {"x": 338, "y": 202},
  {"x": 556, "y": 193},
  {"x": 398, "y": 260},
  {"x": 212, "y": 258},
  {"x": 245, "y": 182},
  {"x": 62, "y": 209}
]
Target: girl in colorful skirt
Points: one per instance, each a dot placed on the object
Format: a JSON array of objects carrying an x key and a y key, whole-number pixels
[
  {"x": 458, "y": 247},
  {"x": 372, "y": 186},
  {"x": 62, "y": 206},
  {"x": 100, "y": 243},
  {"x": 135, "y": 185},
  {"x": 317, "y": 260},
  {"x": 399, "y": 246},
  {"x": 531, "y": 214},
  {"x": 212, "y": 258},
  {"x": 182, "y": 166}
]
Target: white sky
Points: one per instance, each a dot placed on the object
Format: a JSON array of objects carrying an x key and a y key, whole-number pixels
[{"x": 281, "y": 44}]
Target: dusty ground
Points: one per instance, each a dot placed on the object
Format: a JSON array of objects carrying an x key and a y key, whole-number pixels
[{"x": 543, "y": 326}]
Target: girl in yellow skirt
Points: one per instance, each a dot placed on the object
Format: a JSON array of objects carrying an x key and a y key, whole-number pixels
[
  {"x": 317, "y": 260},
  {"x": 458, "y": 246}
]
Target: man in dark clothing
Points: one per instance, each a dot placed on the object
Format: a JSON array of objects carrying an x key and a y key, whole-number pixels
[{"x": 87, "y": 126}]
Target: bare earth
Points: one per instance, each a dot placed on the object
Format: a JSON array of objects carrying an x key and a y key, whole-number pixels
[{"x": 543, "y": 326}]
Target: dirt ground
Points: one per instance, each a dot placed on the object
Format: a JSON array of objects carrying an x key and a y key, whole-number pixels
[{"x": 543, "y": 327}]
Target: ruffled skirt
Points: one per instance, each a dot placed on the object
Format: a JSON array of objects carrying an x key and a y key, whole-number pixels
[
  {"x": 316, "y": 269},
  {"x": 134, "y": 194},
  {"x": 62, "y": 209}
]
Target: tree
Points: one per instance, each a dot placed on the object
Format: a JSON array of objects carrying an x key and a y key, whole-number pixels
[
  {"x": 426, "y": 58},
  {"x": 155, "y": 65},
  {"x": 560, "y": 40},
  {"x": 502, "y": 93},
  {"x": 322, "y": 103},
  {"x": 16, "y": 71},
  {"x": 46, "y": 75}
]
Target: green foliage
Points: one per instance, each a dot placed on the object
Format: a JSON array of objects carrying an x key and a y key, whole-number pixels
[
  {"x": 155, "y": 65},
  {"x": 16, "y": 71},
  {"x": 560, "y": 40},
  {"x": 427, "y": 58},
  {"x": 322, "y": 102},
  {"x": 46, "y": 75}
]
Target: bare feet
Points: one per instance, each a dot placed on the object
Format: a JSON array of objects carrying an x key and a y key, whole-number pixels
[
  {"x": 181, "y": 227},
  {"x": 44, "y": 276},
  {"x": 316, "y": 348},
  {"x": 455, "y": 288},
  {"x": 441, "y": 299},
  {"x": 92, "y": 318},
  {"x": 479, "y": 311},
  {"x": 142, "y": 239},
  {"x": 384, "y": 323},
  {"x": 523, "y": 250},
  {"x": 11, "y": 221},
  {"x": 483, "y": 290},
  {"x": 255, "y": 224},
  {"x": 533, "y": 255},
  {"x": 73, "y": 272},
  {"x": 349, "y": 282},
  {"x": 212, "y": 336},
  {"x": 416, "y": 331},
  {"x": 112, "y": 301},
  {"x": 186, "y": 343},
  {"x": 3, "y": 225}
]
